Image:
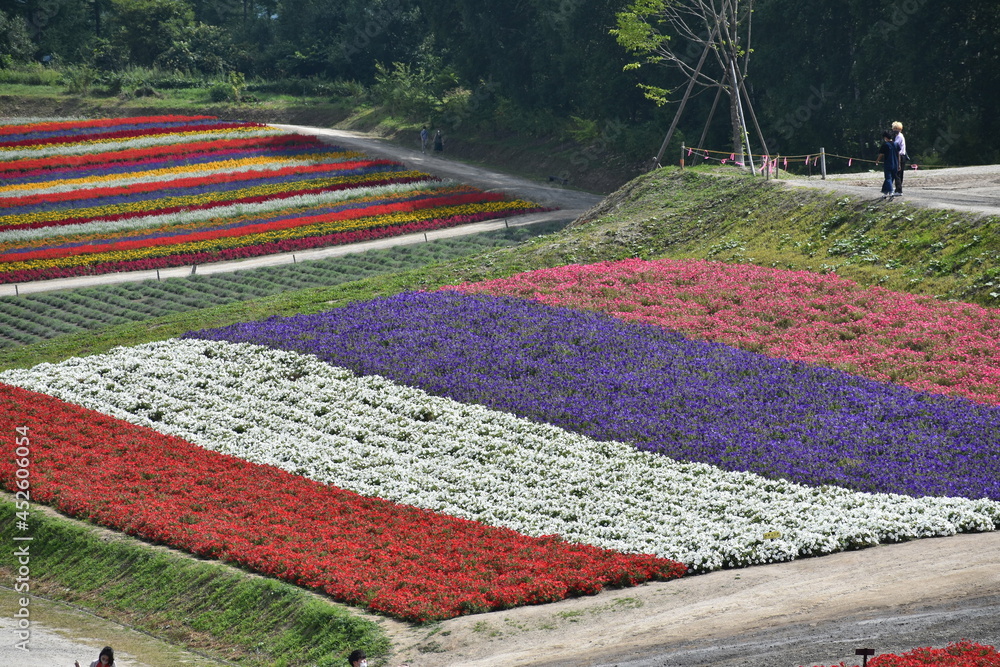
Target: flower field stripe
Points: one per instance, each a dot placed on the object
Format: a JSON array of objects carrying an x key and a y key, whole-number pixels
[
  {"x": 119, "y": 134},
  {"x": 657, "y": 390},
  {"x": 203, "y": 256},
  {"x": 98, "y": 123},
  {"x": 23, "y": 204},
  {"x": 352, "y": 206},
  {"x": 207, "y": 200},
  {"x": 372, "y": 436},
  {"x": 154, "y": 192},
  {"x": 917, "y": 341},
  {"x": 163, "y": 174},
  {"x": 42, "y": 178},
  {"x": 148, "y": 141},
  {"x": 395, "y": 559},
  {"x": 369, "y": 216},
  {"x": 136, "y": 154},
  {"x": 9, "y": 239}
]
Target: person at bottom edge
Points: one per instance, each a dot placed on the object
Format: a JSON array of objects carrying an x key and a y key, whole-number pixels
[
  {"x": 357, "y": 658},
  {"x": 106, "y": 658}
]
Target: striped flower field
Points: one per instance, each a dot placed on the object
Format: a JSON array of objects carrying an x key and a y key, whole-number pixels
[
  {"x": 433, "y": 454},
  {"x": 101, "y": 196}
]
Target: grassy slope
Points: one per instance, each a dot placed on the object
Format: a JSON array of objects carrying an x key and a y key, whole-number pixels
[{"x": 667, "y": 214}]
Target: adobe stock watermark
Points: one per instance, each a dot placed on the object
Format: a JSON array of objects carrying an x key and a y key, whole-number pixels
[
  {"x": 581, "y": 159},
  {"x": 946, "y": 138},
  {"x": 379, "y": 22},
  {"x": 482, "y": 94},
  {"x": 42, "y": 15},
  {"x": 21, "y": 546},
  {"x": 560, "y": 16},
  {"x": 790, "y": 122},
  {"x": 901, "y": 13}
]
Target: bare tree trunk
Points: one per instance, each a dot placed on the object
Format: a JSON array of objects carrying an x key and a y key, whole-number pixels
[{"x": 734, "y": 118}]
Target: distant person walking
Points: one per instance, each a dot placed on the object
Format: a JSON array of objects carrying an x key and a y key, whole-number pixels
[
  {"x": 438, "y": 142},
  {"x": 106, "y": 658},
  {"x": 424, "y": 136},
  {"x": 888, "y": 155},
  {"x": 904, "y": 157}
]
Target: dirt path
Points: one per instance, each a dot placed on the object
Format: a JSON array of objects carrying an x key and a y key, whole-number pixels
[
  {"x": 811, "y": 611},
  {"x": 975, "y": 189}
]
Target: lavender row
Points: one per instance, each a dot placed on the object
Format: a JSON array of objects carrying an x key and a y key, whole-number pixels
[{"x": 655, "y": 389}]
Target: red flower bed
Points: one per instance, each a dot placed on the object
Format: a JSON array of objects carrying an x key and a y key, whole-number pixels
[
  {"x": 959, "y": 654},
  {"x": 396, "y": 559}
]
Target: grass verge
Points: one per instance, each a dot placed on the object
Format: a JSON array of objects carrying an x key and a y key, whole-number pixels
[{"x": 215, "y": 609}]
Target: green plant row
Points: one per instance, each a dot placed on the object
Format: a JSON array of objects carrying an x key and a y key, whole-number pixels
[
  {"x": 36, "y": 317},
  {"x": 228, "y": 613}
]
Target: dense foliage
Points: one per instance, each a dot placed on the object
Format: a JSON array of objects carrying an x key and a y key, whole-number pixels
[{"x": 830, "y": 73}]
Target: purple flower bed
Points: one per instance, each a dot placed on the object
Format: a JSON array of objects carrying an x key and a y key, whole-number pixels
[{"x": 644, "y": 385}]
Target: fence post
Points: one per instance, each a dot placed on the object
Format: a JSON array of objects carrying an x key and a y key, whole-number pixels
[
  {"x": 822, "y": 162},
  {"x": 777, "y": 167},
  {"x": 682, "y": 155}
]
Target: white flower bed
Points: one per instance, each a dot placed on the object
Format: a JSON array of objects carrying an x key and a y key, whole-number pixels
[{"x": 377, "y": 438}]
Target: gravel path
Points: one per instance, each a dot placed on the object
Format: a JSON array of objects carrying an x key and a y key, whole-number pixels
[{"x": 975, "y": 189}]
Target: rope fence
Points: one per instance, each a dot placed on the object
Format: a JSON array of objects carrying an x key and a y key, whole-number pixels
[{"x": 771, "y": 166}]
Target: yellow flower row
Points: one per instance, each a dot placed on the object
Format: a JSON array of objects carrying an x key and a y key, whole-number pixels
[
  {"x": 267, "y": 237},
  {"x": 183, "y": 170},
  {"x": 302, "y": 210},
  {"x": 198, "y": 200}
]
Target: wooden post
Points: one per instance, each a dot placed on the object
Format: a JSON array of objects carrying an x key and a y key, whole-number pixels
[
  {"x": 822, "y": 162},
  {"x": 682, "y": 156}
]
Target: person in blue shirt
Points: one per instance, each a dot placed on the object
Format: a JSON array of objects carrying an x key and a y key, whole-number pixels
[{"x": 888, "y": 155}]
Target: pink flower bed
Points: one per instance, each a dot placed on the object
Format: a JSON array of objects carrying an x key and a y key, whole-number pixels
[{"x": 916, "y": 341}]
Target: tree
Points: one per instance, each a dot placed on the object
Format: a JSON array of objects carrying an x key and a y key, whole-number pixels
[
  {"x": 149, "y": 28},
  {"x": 15, "y": 42},
  {"x": 677, "y": 33}
]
